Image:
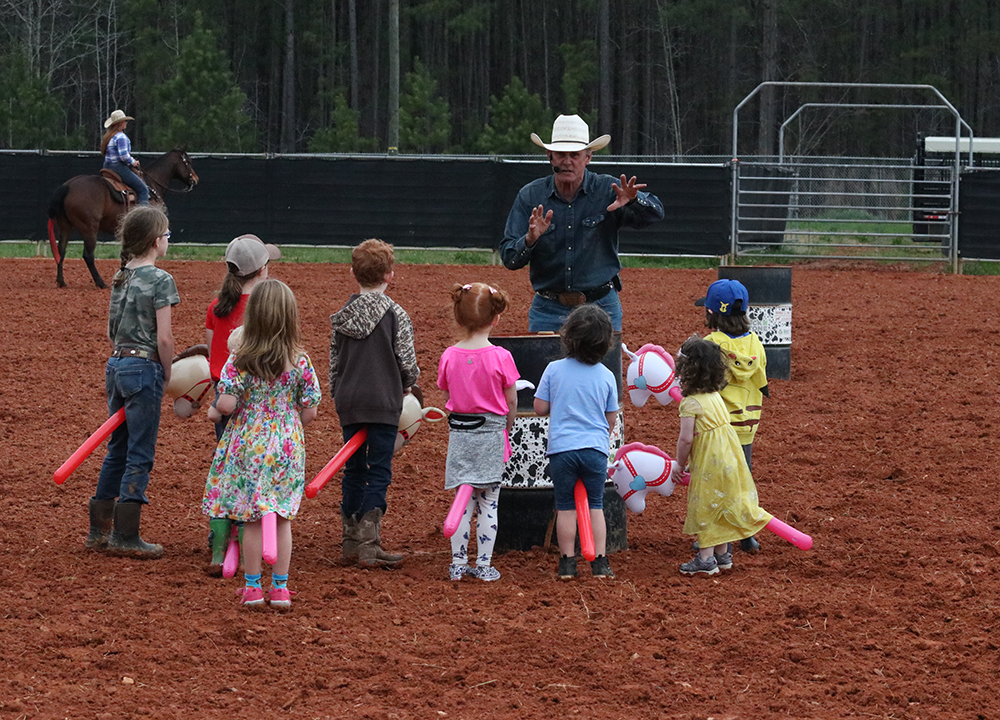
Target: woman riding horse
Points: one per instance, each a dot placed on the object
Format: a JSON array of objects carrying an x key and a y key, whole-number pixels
[
  {"x": 90, "y": 205},
  {"x": 117, "y": 155}
]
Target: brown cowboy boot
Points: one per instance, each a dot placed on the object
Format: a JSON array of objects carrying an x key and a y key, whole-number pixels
[
  {"x": 370, "y": 553},
  {"x": 349, "y": 542}
]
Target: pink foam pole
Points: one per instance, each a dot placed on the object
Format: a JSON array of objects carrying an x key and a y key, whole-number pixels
[
  {"x": 787, "y": 532},
  {"x": 676, "y": 394},
  {"x": 269, "y": 526},
  {"x": 232, "y": 560},
  {"x": 83, "y": 452},
  {"x": 458, "y": 506},
  {"x": 583, "y": 521}
]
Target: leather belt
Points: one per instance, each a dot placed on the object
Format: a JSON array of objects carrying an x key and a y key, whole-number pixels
[
  {"x": 136, "y": 353},
  {"x": 572, "y": 298}
]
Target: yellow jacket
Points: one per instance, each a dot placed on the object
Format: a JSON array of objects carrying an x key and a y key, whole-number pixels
[{"x": 747, "y": 375}]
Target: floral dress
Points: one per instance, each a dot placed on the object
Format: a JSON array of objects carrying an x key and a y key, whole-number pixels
[
  {"x": 259, "y": 465},
  {"x": 722, "y": 501}
]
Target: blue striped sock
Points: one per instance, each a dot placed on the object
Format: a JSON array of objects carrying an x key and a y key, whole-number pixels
[
  {"x": 278, "y": 581},
  {"x": 253, "y": 581}
]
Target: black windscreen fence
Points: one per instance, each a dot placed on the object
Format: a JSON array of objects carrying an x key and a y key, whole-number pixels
[
  {"x": 979, "y": 224},
  {"x": 409, "y": 202}
]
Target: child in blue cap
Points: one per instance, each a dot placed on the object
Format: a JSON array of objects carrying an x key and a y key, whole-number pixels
[{"x": 726, "y": 304}]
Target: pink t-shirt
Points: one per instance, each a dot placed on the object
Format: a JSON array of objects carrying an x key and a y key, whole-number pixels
[
  {"x": 221, "y": 329},
  {"x": 476, "y": 379}
]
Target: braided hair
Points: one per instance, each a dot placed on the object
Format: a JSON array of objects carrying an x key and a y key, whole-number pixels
[{"x": 137, "y": 232}]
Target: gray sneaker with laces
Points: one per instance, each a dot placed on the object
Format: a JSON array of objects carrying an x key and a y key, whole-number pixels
[
  {"x": 725, "y": 560},
  {"x": 697, "y": 566}
]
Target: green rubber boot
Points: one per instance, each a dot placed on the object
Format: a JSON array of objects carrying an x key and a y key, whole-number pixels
[{"x": 219, "y": 530}]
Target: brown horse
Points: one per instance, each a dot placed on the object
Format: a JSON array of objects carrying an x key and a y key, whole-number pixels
[{"x": 88, "y": 203}]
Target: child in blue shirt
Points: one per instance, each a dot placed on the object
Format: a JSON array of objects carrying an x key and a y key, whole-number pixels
[{"x": 581, "y": 397}]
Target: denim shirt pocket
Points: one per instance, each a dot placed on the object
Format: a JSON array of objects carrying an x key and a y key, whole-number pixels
[{"x": 593, "y": 221}]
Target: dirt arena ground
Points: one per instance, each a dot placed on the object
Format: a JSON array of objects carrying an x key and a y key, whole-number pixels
[{"x": 882, "y": 447}]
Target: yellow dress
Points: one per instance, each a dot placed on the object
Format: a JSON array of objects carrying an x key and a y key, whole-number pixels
[{"x": 722, "y": 499}]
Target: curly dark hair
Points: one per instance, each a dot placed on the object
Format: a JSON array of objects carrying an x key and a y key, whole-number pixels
[
  {"x": 587, "y": 334},
  {"x": 701, "y": 367}
]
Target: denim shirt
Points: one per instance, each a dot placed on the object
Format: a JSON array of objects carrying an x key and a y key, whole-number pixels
[{"x": 579, "y": 251}]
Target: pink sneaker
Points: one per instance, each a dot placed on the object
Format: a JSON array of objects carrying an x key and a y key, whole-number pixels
[
  {"x": 280, "y": 598},
  {"x": 251, "y": 597}
]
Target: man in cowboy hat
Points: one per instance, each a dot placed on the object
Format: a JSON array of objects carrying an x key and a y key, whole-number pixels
[{"x": 565, "y": 227}]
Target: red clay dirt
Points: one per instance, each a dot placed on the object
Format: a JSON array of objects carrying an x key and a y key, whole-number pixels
[{"x": 882, "y": 447}]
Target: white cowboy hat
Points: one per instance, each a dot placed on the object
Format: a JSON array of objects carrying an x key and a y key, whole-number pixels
[
  {"x": 116, "y": 117},
  {"x": 571, "y": 134}
]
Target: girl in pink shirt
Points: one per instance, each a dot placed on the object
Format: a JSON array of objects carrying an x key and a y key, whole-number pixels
[{"x": 478, "y": 380}]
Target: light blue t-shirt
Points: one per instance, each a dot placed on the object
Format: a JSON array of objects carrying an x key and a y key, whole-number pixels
[{"x": 578, "y": 395}]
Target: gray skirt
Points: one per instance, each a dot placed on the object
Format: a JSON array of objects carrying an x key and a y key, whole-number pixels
[{"x": 475, "y": 454}]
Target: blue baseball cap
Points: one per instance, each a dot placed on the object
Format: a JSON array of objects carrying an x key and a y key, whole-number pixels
[{"x": 723, "y": 295}]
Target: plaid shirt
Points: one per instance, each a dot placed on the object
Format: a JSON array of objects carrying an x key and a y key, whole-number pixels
[{"x": 118, "y": 149}]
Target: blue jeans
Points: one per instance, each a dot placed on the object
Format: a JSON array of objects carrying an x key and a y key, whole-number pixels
[
  {"x": 368, "y": 472},
  {"x": 136, "y": 385},
  {"x": 549, "y": 315},
  {"x": 585, "y": 464},
  {"x": 132, "y": 180}
]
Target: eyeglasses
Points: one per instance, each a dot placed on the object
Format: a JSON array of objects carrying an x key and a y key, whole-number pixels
[{"x": 166, "y": 235}]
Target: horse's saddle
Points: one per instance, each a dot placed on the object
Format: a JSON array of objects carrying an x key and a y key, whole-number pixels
[{"x": 120, "y": 192}]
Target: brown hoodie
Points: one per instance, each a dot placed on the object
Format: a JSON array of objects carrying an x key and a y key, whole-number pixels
[{"x": 372, "y": 359}]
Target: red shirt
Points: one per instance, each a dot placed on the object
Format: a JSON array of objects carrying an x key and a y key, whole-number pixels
[{"x": 221, "y": 328}]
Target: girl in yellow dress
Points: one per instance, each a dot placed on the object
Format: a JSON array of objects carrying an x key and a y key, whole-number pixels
[{"x": 722, "y": 499}]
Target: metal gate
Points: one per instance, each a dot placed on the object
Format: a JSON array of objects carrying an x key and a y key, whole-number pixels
[
  {"x": 849, "y": 208},
  {"x": 842, "y": 207}
]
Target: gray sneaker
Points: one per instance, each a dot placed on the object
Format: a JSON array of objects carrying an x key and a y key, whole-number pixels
[
  {"x": 487, "y": 573},
  {"x": 567, "y": 568},
  {"x": 725, "y": 560},
  {"x": 697, "y": 566}
]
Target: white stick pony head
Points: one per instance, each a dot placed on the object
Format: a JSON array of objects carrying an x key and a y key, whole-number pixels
[
  {"x": 639, "y": 469},
  {"x": 651, "y": 372}
]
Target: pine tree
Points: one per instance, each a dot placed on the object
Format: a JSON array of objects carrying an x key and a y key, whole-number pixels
[
  {"x": 341, "y": 135},
  {"x": 31, "y": 117},
  {"x": 202, "y": 108},
  {"x": 424, "y": 116},
  {"x": 513, "y": 117}
]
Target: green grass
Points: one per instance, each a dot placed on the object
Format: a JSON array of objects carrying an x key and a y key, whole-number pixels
[
  {"x": 413, "y": 256},
  {"x": 212, "y": 253}
]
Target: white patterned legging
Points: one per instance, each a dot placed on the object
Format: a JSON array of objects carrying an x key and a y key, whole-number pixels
[{"x": 484, "y": 501}]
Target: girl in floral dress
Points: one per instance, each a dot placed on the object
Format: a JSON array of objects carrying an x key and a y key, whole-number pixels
[{"x": 270, "y": 389}]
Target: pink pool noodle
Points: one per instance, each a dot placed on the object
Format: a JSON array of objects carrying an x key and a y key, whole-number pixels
[
  {"x": 269, "y": 527},
  {"x": 787, "y": 532},
  {"x": 583, "y": 521},
  {"x": 458, "y": 506},
  {"x": 232, "y": 560}
]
